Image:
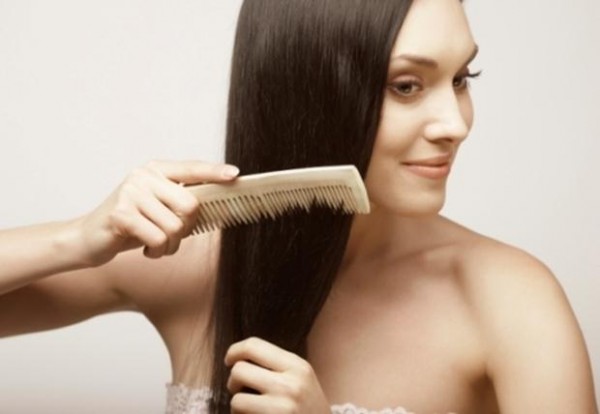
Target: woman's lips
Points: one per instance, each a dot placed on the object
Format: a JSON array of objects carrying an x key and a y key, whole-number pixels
[{"x": 429, "y": 171}]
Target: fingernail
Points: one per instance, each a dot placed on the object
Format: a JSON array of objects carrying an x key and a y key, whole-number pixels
[{"x": 230, "y": 171}]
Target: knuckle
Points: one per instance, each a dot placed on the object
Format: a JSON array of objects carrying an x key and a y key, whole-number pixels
[
  {"x": 236, "y": 402},
  {"x": 174, "y": 228},
  {"x": 135, "y": 180},
  {"x": 294, "y": 390},
  {"x": 152, "y": 253},
  {"x": 137, "y": 174},
  {"x": 229, "y": 384},
  {"x": 119, "y": 217},
  {"x": 282, "y": 388},
  {"x": 158, "y": 240},
  {"x": 173, "y": 249},
  {"x": 236, "y": 369},
  {"x": 121, "y": 211},
  {"x": 250, "y": 344},
  {"x": 129, "y": 186},
  {"x": 153, "y": 165},
  {"x": 279, "y": 385},
  {"x": 288, "y": 406},
  {"x": 304, "y": 368},
  {"x": 189, "y": 206}
]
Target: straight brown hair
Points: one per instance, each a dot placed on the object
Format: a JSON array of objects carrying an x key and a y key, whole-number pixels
[{"x": 308, "y": 80}]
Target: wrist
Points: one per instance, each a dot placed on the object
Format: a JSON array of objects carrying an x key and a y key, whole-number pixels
[{"x": 68, "y": 244}]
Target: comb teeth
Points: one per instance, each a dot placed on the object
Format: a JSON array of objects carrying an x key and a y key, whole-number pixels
[
  {"x": 252, "y": 198},
  {"x": 251, "y": 208}
]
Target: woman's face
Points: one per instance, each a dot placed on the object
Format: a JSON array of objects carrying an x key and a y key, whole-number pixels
[{"x": 427, "y": 110}]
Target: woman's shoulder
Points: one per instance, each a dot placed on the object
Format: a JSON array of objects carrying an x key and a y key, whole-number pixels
[
  {"x": 495, "y": 271},
  {"x": 515, "y": 297},
  {"x": 488, "y": 266},
  {"x": 528, "y": 328}
]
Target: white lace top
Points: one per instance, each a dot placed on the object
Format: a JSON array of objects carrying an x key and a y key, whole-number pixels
[{"x": 184, "y": 400}]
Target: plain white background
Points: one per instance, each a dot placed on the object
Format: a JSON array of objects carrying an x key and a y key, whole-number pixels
[{"x": 91, "y": 89}]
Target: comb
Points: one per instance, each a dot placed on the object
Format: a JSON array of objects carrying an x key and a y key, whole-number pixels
[{"x": 251, "y": 198}]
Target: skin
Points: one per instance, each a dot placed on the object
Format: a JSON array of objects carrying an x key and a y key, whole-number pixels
[{"x": 424, "y": 314}]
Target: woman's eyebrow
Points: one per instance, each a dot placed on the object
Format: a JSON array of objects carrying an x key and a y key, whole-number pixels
[{"x": 431, "y": 63}]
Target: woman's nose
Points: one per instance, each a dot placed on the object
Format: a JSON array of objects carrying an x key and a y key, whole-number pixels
[{"x": 448, "y": 120}]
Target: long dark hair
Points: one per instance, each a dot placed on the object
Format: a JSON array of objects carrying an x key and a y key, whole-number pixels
[{"x": 307, "y": 85}]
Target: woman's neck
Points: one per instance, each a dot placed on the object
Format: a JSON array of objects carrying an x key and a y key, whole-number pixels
[{"x": 383, "y": 236}]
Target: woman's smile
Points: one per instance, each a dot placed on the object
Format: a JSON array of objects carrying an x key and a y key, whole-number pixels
[
  {"x": 428, "y": 171},
  {"x": 434, "y": 168}
]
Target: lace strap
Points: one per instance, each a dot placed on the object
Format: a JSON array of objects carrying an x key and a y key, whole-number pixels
[
  {"x": 352, "y": 409},
  {"x": 185, "y": 400}
]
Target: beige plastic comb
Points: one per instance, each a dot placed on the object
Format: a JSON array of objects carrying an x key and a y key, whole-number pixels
[{"x": 254, "y": 197}]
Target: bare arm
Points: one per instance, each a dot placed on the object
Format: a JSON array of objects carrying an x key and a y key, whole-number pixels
[
  {"x": 30, "y": 253},
  {"x": 538, "y": 360},
  {"x": 130, "y": 281},
  {"x": 58, "y": 273},
  {"x": 63, "y": 299}
]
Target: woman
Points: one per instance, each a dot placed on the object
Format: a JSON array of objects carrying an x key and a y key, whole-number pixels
[{"x": 400, "y": 308}]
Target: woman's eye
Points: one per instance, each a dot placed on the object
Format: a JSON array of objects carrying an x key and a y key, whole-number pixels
[
  {"x": 462, "y": 82},
  {"x": 406, "y": 88}
]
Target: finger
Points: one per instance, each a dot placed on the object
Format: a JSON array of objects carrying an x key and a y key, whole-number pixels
[
  {"x": 180, "y": 201},
  {"x": 262, "y": 353},
  {"x": 173, "y": 246},
  {"x": 194, "y": 172},
  {"x": 145, "y": 232},
  {"x": 247, "y": 375},
  {"x": 171, "y": 225},
  {"x": 244, "y": 403}
]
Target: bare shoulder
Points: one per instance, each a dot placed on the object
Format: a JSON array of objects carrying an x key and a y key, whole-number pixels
[
  {"x": 486, "y": 263},
  {"x": 503, "y": 280},
  {"x": 170, "y": 284},
  {"x": 486, "y": 266},
  {"x": 533, "y": 341}
]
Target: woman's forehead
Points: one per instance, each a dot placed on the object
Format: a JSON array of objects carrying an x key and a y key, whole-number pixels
[{"x": 435, "y": 28}]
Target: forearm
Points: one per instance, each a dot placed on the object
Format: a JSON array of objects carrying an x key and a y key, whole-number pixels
[{"x": 30, "y": 253}]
